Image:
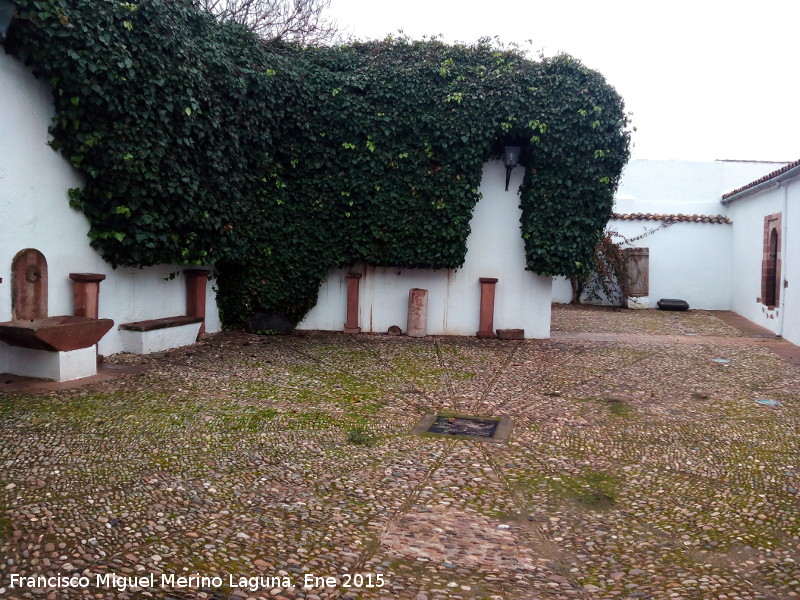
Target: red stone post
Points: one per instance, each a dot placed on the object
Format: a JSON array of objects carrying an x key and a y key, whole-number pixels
[
  {"x": 417, "y": 323},
  {"x": 28, "y": 285},
  {"x": 487, "y": 308},
  {"x": 196, "y": 294},
  {"x": 86, "y": 294},
  {"x": 351, "y": 326}
]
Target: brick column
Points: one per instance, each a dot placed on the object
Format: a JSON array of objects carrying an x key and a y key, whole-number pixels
[
  {"x": 196, "y": 294},
  {"x": 351, "y": 326},
  {"x": 86, "y": 294},
  {"x": 487, "y": 308}
]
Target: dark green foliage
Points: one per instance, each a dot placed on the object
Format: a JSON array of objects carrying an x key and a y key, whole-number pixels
[{"x": 200, "y": 144}]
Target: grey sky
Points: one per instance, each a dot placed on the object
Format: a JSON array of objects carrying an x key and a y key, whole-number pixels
[{"x": 704, "y": 79}]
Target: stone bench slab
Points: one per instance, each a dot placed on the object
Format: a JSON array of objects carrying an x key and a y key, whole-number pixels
[{"x": 163, "y": 323}]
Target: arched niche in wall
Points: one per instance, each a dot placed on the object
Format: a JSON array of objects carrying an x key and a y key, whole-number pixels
[{"x": 771, "y": 262}]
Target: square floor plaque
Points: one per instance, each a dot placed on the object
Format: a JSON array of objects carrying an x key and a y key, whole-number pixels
[{"x": 482, "y": 429}]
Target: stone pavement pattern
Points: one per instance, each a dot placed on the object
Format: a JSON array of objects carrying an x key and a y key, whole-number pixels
[{"x": 638, "y": 467}]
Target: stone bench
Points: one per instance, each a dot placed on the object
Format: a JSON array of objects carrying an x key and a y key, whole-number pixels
[{"x": 157, "y": 335}]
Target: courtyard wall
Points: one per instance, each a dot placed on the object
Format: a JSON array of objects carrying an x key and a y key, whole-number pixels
[
  {"x": 35, "y": 211},
  {"x": 495, "y": 249},
  {"x": 691, "y": 259}
]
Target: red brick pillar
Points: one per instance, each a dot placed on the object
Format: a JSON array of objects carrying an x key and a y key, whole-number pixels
[
  {"x": 196, "y": 294},
  {"x": 351, "y": 326},
  {"x": 86, "y": 294},
  {"x": 487, "y": 308}
]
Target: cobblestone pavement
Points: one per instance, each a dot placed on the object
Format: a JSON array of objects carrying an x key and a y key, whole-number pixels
[{"x": 640, "y": 465}]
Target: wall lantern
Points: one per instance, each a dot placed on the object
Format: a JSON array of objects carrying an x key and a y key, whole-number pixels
[
  {"x": 7, "y": 8},
  {"x": 510, "y": 158}
]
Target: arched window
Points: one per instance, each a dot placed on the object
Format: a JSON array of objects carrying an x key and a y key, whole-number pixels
[
  {"x": 771, "y": 262},
  {"x": 771, "y": 298}
]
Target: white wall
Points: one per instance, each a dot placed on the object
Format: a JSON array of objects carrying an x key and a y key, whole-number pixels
[
  {"x": 688, "y": 261},
  {"x": 495, "y": 249},
  {"x": 683, "y": 186},
  {"x": 748, "y": 239},
  {"x": 34, "y": 213},
  {"x": 791, "y": 263}
]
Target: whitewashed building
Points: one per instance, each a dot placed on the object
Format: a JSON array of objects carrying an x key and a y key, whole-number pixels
[{"x": 765, "y": 250}]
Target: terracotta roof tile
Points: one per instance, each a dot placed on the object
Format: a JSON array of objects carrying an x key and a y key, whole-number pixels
[
  {"x": 679, "y": 218},
  {"x": 763, "y": 179}
]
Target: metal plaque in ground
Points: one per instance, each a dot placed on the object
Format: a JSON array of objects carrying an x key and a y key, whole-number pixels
[{"x": 485, "y": 429}]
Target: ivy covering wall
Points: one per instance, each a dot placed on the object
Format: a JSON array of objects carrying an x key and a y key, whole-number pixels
[{"x": 200, "y": 144}]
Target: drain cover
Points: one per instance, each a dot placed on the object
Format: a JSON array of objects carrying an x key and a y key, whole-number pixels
[
  {"x": 477, "y": 428},
  {"x": 484, "y": 428}
]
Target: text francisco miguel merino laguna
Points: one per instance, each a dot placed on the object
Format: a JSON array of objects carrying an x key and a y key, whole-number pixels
[{"x": 124, "y": 583}]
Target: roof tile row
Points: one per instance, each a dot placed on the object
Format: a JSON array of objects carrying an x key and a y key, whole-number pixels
[
  {"x": 679, "y": 218},
  {"x": 763, "y": 179}
]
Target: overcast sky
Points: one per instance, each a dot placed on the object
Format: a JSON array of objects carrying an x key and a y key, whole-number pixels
[{"x": 704, "y": 80}]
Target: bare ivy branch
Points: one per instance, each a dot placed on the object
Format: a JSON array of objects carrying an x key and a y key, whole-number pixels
[
  {"x": 303, "y": 21},
  {"x": 607, "y": 280}
]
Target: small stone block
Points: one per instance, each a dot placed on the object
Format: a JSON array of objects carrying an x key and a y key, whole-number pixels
[
  {"x": 637, "y": 302},
  {"x": 269, "y": 322},
  {"x": 511, "y": 334},
  {"x": 673, "y": 304}
]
